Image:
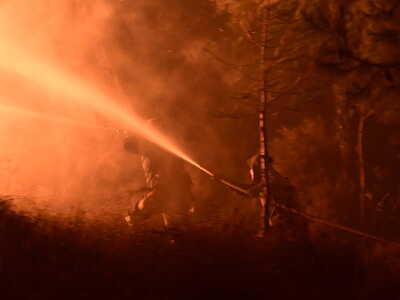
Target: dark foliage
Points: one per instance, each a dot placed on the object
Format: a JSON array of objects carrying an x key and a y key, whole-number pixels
[{"x": 71, "y": 259}]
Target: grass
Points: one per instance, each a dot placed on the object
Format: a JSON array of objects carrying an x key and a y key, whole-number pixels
[{"x": 44, "y": 257}]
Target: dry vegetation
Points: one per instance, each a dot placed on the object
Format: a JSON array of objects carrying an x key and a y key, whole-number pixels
[{"x": 70, "y": 258}]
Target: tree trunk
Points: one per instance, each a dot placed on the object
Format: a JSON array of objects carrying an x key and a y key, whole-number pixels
[
  {"x": 361, "y": 165},
  {"x": 347, "y": 184},
  {"x": 264, "y": 195}
]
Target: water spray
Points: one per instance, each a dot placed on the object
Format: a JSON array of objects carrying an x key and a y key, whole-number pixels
[
  {"x": 11, "y": 110},
  {"x": 54, "y": 80},
  {"x": 66, "y": 86}
]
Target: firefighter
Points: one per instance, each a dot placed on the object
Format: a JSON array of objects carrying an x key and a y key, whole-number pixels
[
  {"x": 167, "y": 192},
  {"x": 282, "y": 192}
]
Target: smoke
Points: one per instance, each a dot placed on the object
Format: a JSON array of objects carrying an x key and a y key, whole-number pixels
[
  {"x": 56, "y": 153},
  {"x": 301, "y": 154},
  {"x": 237, "y": 7}
]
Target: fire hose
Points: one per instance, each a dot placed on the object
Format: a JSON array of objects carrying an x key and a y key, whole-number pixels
[{"x": 308, "y": 217}]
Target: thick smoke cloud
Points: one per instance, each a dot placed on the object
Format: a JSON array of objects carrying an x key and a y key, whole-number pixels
[{"x": 56, "y": 154}]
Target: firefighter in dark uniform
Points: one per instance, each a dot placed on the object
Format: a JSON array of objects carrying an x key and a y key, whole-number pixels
[
  {"x": 168, "y": 186},
  {"x": 282, "y": 192}
]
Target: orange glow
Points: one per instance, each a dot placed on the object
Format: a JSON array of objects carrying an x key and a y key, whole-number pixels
[
  {"x": 59, "y": 113},
  {"x": 27, "y": 114},
  {"x": 83, "y": 94}
]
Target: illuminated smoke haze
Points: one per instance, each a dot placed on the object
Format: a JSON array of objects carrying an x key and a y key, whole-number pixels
[
  {"x": 44, "y": 162},
  {"x": 57, "y": 76}
]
